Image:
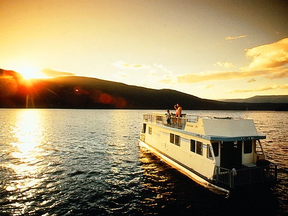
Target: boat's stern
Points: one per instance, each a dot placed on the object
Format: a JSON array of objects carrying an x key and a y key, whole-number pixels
[{"x": 235, "y": 178}]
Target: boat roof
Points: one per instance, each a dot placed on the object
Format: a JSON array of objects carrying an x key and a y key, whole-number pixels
[{"x": 215, "y": 128}]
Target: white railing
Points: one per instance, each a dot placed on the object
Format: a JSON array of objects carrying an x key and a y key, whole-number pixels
[
  {"x": 189, "y": 117},
  {"x": 246, "y": 176},
  {"x": 162, "y": 119}
]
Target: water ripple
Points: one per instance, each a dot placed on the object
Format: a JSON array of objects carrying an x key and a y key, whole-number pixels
[{"x": 87, "y": 162}]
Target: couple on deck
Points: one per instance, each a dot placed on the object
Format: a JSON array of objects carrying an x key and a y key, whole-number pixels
[
  {"x": 178, "y": 109},
  {"x": 178, "y": 113}
]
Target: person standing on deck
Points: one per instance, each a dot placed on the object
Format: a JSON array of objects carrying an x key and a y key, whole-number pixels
[
  {"x": 168, "y": 117},
  {"x": 178, "y": 109}
]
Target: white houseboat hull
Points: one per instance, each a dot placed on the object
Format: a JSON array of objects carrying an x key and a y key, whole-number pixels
[
  {"x": 182, "y": 169},
  {"x": 217, "y": 153}
]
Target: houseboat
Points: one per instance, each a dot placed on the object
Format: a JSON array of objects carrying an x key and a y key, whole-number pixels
[{"x": 218, "y": 153}]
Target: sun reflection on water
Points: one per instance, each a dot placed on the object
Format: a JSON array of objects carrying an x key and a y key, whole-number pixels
[
  {"x": 28, "y": 134},
  {"x": 27, "y": 155}
]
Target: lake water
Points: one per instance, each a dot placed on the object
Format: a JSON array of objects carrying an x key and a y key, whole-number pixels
[{"x": 87, "y": 162}]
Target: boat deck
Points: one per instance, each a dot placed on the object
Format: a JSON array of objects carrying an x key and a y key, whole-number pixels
[
  {"x": 161, "y": 119},
  {"x": 177, "y": 122},
  {"x": 246, "y": 176}
]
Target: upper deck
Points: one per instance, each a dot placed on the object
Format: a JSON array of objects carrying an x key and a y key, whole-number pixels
[{"x": 209, "y": 127}]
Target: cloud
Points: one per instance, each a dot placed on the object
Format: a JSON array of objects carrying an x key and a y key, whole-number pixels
[
  {"x": 152, "y": 72},
  {"x": 166, "y": 80},
  {"x": 209, "y": 86},
  {"x": 267, "y": 61},
  {"x": 203, "y": 77},
  {"x": 159, "y": 66},
  {"x": 268, "y": 56},
  {"x": 284, "y": 86},
  {"x": 224, "y": 64},
  {"x": 234, "y": 38},
  {"x": 194, "y": 78},
  {"x": 124, "y": 65},
  {"x": 251, "y": 80},
  {"x": 122, "y": 75},
  {"x": 55, "y": 73},
  {"x": 264, "y": 88},
  {"x": 163, "y": 69},
  {"x": 282, "y": 74}
]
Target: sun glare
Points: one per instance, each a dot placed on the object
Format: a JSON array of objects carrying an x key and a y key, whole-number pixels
[
  {"x": 30, "y": 73},
  {"x": 28, "y": 141}
]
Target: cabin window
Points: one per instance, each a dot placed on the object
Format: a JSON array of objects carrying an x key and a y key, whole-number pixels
[
  {"x": 199, "y": 148},
  {"x": 209, "y": 152},
  {"x": 215, "y": 147},
  {"x": 192, "y": 145},
  {"x": 150, "y": 130},
  {"x": 177, "y": 140},
  {"x": 247, "y": 146},
  {"x": 158, "y": 119},
  {"x": 144, "y": 128},
  {"x": 171, "y": 138}
]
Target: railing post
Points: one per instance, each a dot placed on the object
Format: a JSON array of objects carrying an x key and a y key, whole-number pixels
[{"x": 231, "y": 179}]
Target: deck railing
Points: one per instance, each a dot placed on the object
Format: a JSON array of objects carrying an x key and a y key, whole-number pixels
[
  {"x": 158, "y": 118},
  {"x": 246, "y": 176},
  {"x": 176, "y": 122}
]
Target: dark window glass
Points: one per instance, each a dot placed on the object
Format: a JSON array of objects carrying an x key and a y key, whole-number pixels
[
  {"x": 247, "y": 146},
  {"x": 177, "y": 140},
  {"x": 199, "y": 148},
  {"x": 171, "y": 138},
  {"x": 192, "y": 145},
  {"x": 144, "y": 128},
  {"x": 215, "y": 147}
]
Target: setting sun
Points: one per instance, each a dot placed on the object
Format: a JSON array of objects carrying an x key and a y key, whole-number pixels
[{"x": 30, "y": 73}]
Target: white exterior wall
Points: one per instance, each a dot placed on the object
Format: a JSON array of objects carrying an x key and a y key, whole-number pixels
[
  {"x": 248, "y": 158},
  {"x": 160, "y": 139}
]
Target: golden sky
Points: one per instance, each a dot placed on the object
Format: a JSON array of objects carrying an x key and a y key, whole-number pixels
[{"x": 210, "y": 49}]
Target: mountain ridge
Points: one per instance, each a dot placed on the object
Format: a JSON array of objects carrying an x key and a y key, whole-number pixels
[
  {"x": 261, "y": 99},
  {"x": 92, "y": 93}
]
